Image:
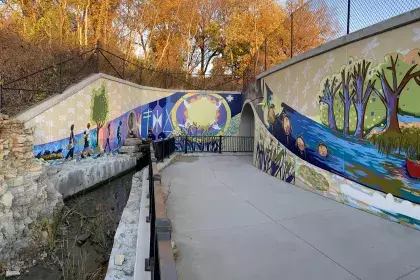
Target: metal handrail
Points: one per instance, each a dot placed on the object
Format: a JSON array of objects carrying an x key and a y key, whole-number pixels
[{"x": 161, "y": 262}]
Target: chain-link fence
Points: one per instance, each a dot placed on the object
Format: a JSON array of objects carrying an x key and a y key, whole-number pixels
[
  {"x": 19, "y": 94},
  {"x": 317, "y": 22}
]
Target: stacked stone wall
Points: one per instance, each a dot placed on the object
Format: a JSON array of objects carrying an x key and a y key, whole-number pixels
[{"x": 27, "y": 196}]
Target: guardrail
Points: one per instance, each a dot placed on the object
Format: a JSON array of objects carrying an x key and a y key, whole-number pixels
[
  {"x": 214, "y": 144},
  {"x": 161, "y": 261},
  {"x": 164, "y": 148}
]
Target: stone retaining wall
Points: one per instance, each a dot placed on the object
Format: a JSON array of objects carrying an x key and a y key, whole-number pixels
[{"x": 27, "y": 196}]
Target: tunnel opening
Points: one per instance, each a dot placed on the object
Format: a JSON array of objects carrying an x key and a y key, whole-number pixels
[{"x": 247, "y": 125}]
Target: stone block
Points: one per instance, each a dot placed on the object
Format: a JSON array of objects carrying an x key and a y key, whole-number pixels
[
  {"x": 7, "y": 199},
  {"x": 129, "y": 149},
  {"x": 132, "y": 141}
]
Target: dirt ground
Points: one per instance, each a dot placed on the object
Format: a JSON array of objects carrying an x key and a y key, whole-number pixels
[{"x": 81, "y": 239}]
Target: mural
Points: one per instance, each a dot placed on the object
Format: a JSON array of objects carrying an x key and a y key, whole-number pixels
[
  {"x": 272, "y": 157},
  {"x": 176, "y": 114},
  {"x": 353, "y": 124}
]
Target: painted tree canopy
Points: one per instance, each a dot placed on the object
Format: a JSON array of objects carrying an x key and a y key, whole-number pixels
[{"x": 99, "y": 111}]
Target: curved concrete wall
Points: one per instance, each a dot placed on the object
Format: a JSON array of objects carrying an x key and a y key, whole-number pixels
[
  {"x": 118, "y": 106},
  {"x": 344, "y": 120}
]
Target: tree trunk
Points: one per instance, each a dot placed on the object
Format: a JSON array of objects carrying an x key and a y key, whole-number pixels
[
  {"x": 360, "y": 126},
  {"x": 331, "y": 118},
  {"x": 346, "y": 127},
  {"x": 98, "y": 146},
  {"x": 392, "y": 123}
]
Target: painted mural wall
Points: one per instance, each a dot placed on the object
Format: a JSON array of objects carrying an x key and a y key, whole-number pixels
[
  {"x": 346, "y": 124},
  {"x": 106, "y": 112}
]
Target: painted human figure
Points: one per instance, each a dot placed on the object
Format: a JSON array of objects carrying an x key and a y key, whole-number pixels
[
  {"x": 271, "y": 117},
  {"x": 107, "y": 145},
  {"x": 119, "y": 133},
  {"x": 86, "y": 145},
  {"x": 71, "y": 143},
  {"x": 300, "y": 145},
  {"x": 287, "y": 127},
  {"x": 322, "y": 150}
]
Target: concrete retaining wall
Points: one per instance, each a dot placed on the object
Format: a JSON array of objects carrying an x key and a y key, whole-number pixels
[{"x": 73, "y": 177}]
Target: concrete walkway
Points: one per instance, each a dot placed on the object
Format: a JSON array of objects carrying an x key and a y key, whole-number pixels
[{"x": 232, "y": 221}]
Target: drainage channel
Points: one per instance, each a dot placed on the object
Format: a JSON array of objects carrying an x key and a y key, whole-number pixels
[{"x": 81, "y": 237}]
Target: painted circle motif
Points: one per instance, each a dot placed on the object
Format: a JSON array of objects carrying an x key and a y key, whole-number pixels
[{"x": 201, "y": 114}]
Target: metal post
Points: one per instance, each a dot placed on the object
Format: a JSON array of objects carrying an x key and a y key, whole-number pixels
[
  {"x": 185, "y": 144},
  {"x": 166, "y": 78},
  {"x": 204, "y": 81},
  {"x": 291, "y": 35},
  {"x": 141, "y": 73},
  {"x": 265, "y": 54},
  {"x": 220, "y": 144},
  {"x": 348, "y": 16},
  {"x": 97, "y": 66},
  {"x": 123, "y": 69},
  {"x": 1, "y": 93},
  {"x": 59, "y": 75}
]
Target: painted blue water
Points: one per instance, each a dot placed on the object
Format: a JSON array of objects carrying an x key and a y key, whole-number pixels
[{"x": 357, "y": 160}]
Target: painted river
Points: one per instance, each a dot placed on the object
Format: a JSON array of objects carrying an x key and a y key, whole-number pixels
[{"x": 354, "y": 159}]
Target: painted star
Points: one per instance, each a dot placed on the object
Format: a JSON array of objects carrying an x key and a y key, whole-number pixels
[
  {"x": 229, "y": 98},
  {"x": 306, "y": 70},
  {"x": 317, "y": 77}
]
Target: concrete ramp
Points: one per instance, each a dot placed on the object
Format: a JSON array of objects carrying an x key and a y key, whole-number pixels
[{"x": 232, "y": 221}]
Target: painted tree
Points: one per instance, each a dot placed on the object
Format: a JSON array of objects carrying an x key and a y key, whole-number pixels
[
  {"x": 329, "y": 93},
  {"x": 99, "y": 110},
  {"x": 363, "y": 87},
  {"x": 346, "y": 98},
  {"x": 392, "y": 86}
]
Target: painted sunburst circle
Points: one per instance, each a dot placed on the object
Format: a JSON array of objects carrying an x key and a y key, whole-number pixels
[{"x": 201, "y": 114}]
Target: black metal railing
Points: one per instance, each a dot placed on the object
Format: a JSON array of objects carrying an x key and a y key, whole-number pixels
[
  {"x": 161, "y": 261},
  {"x": 214, "y": 144},
  {"x": 164, "y": 148}
]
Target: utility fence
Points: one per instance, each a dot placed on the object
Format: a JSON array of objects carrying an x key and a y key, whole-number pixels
[
  {"x": 317, "y": 22},
  {"x": 17, "y": 95}
]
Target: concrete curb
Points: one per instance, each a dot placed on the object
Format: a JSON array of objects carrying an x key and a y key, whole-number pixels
[{"x": 126, "y": 235}]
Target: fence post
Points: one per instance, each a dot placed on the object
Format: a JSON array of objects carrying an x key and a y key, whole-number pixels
[
  {"x": 185, "y": 144},
  {"x": 348, "y": 16},
  {"x": 220, "y": 144},
  {"x": 166, "y": 78},
  {"x": 1, "y": 94},
  {"x": 204, "y": 81},
  {"x": 141, "y": 73},
  {"x": 265, "y": 54},
  {"x": 59, "y": 75},
  {"x": 98, "y": 46},
  {"x": 124, "y": 69},
  {"x": 291, "y": 35}
]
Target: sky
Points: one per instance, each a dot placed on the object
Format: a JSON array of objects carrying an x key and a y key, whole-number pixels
[{"x": 364, "y": 13}]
